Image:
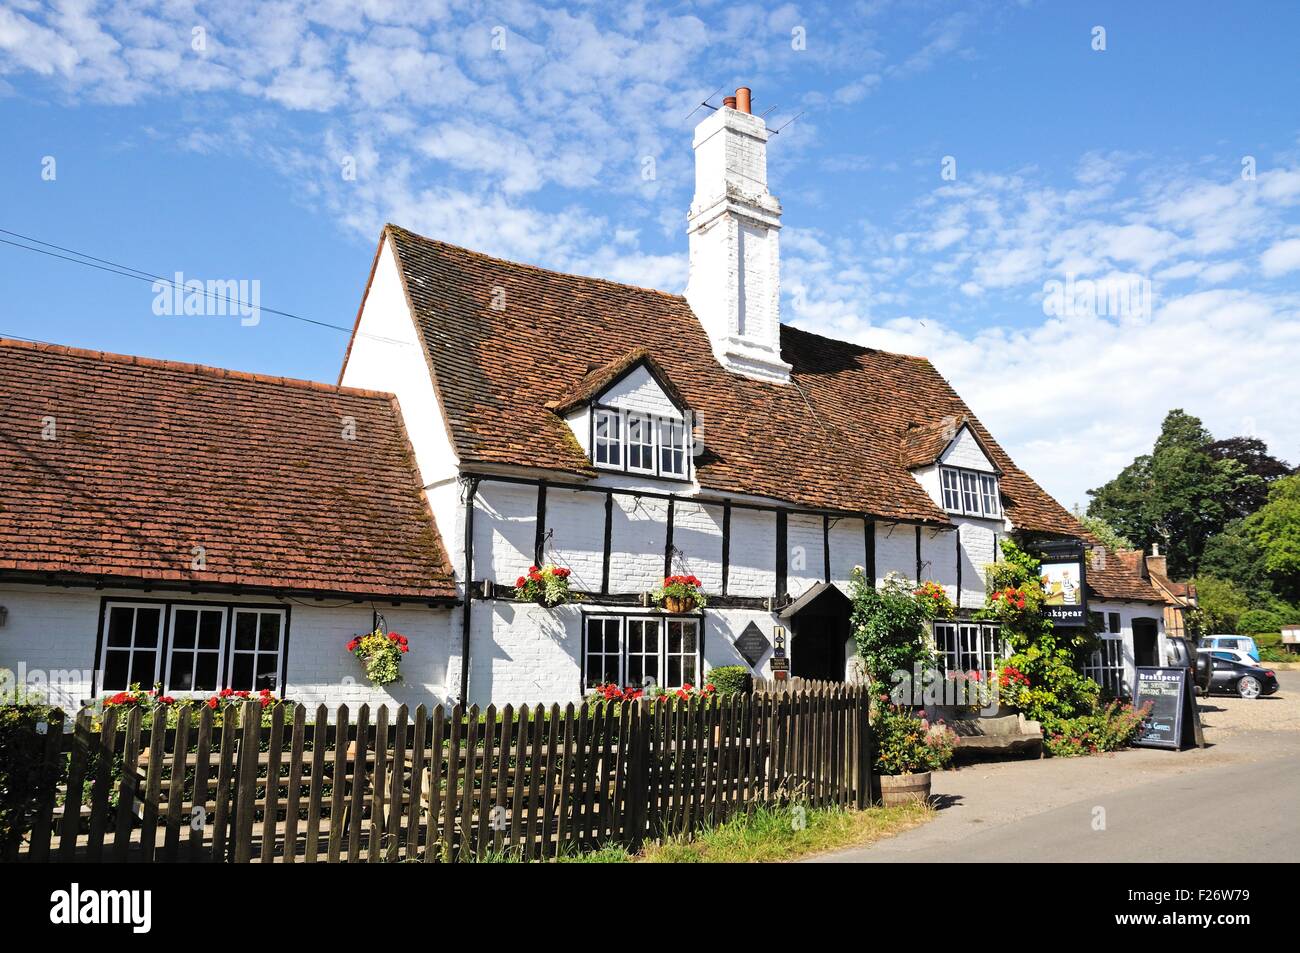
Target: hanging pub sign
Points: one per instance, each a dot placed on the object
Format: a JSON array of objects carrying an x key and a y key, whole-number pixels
[{"x": 1065, "y": 583}]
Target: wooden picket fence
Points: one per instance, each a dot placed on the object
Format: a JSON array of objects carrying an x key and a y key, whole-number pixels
[{"x": 241, "y": 784}]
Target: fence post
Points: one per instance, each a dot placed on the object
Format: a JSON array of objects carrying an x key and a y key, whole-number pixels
[
  {"x": 250, "y": 731},
  {"x": 47, "y": 786}
]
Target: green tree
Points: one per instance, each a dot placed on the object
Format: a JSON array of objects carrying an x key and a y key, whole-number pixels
[
  {"x": 1106, "y": 534},
  {"x": 1221, "y": 604},
  {"x": 1275, "y": 527},
  {"x": 1179, "y": 495},
  {"x": 1234, "y": 555},
  {"x": 1252, "y": 453}
]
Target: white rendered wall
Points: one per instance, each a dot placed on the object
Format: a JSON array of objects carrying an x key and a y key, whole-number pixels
[
  {"x": 54, "y": 630},
  {"x": 964, "y": 451}
]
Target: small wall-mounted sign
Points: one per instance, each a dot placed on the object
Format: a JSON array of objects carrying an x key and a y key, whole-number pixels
[
  {"x": 752, "y": 644},
  {"x": 779, "y": 665}
]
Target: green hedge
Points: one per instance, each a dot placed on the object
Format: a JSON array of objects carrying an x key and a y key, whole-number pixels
[{"x": 730, "y": 679}]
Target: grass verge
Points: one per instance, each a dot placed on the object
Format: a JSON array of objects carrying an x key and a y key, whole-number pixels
[{"x": 771, "y": 834}]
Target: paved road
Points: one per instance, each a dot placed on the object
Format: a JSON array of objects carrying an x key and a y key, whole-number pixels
[{"x": 1155, "y": 804}]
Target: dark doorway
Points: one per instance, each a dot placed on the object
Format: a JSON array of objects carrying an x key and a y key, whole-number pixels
[
  {"x": 1145, "y": 642},
  {"x": 819, "y": 622}
]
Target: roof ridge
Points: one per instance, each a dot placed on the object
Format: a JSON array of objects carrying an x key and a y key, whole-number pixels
[
  {"x": 538, "y": 268},
  {"x": 188, "y": 367},
  {"x": 861, "y": 347}
]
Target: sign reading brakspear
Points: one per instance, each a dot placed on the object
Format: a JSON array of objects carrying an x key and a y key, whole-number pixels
[{"x": 1064, "y": 579}]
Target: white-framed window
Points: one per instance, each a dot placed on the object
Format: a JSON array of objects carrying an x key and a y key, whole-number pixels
[
  {"x": 132, "y": 645},
  {"x": 969, "y": 493},
  {"x": 196, "y": 638},
  {"x": 640, "y": 650},
  {"x": 672, "y": 447},
  {"x": 257, "y": 639},
  {"x": 967, "y": 646},
  {"x": 603, "y": 651},
  {"x": 989, "y": 494},
  {"x": 643, "y": 651},
  {"x": 640, "y": 443},
  {"x": 682, "y": 653},
  {"x": 608, "y": 436},
  {"x": 951, "y": 489},
  {"x": 1106, "y": 666}
]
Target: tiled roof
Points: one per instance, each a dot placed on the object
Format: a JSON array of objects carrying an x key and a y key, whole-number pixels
[
  {"x": 600, "y": 378},
  {"x": 922, "y": 444},
  {"x": 1111, "y": 578},
  {"x": 115, "y": 468},
  {"x": 504, "y": 340}
]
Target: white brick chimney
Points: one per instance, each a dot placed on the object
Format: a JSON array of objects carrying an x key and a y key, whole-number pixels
[{"x": 734, "y": 285}]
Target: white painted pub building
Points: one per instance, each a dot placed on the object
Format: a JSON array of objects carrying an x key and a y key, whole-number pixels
[{"x": 199, "y": 528}]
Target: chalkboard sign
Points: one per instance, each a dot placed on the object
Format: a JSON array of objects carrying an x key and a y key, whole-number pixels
[{"x": 1165, "y": 689}]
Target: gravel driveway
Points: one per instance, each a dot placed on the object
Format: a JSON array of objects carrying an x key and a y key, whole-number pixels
[{"x": 1228, "y": 714}]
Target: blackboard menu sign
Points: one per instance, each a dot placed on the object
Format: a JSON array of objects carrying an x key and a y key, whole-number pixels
[{"x": 1165, "y": 690}]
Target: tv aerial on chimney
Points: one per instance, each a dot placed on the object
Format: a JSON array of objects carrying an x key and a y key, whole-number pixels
[{"x": 741, "y": 101}]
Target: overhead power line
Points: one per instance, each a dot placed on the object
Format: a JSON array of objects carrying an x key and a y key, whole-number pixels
[{"x": 126, "y": 271}]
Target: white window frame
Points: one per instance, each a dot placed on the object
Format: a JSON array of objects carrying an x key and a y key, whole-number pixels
[
  {"x": 989, "y": 494},
  {"x": 1106, "y": 666},
  {"x": 681, "y": 656},
  {"x": 199, "y": 609},
  {"x": 950, "y": 481},
  {"x": 158, "y": 646},
  {"x": 647, "y": 624},
  {"x": 663, "y": 624},
  {"x": 646, "y": 424},
  {"x": 610, "y": 443},
  {"x": 667, "y": 435},
  {"x": 256, "y": 651},
  {"x": 588, "y": 682},
  {"x": 970, "y": 641},
  {"x": 959, "y": 488},
  {"x": 672, "y": 443}
]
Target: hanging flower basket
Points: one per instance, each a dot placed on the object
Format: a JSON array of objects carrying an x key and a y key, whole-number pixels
[
  {"x": 680, "y": 594},
  {"x": 548, "y": 586},
  {"x": 381, "y": 653}
]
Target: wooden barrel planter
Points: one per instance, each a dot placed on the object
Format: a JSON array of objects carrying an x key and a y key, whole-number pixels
[{"x": 896, "y": 789}]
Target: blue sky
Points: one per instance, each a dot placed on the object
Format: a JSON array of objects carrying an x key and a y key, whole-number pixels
[{"x": 1122, "y": 165}]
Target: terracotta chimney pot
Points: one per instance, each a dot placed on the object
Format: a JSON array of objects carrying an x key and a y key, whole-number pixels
[{"x": 742, "y": 99}]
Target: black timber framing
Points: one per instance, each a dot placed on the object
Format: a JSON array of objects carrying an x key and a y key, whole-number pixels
[
  {"x": 668, "y": 539},
  {"x": 826, "y": 548},
  {"x": 470, "y": 493},
  {"x": 609, "y": 538},
  {"x": 726, "y": 545},
  {"x": 919, "y": 564},
  {"x": 539, "y": 540},
  {"x": 958, "y": 535},
  {"x": 869, "y": 545},
  {"x": 728, "y": 505},
  {"x": 782, "y": 562}
]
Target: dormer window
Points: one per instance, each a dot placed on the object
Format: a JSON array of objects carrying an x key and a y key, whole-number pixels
[
  {"x": 672, "y": 448},
  {"x": 632, "y": 441},
  {"x": 630, "y": 418},
  {"x": 969, "y": 493},
  {"x": 609, "y": 439},
  {"x": 640, "y": 443}
]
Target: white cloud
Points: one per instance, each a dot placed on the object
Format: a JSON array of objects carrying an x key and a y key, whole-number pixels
[{"x": 1281, "y": 258}]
